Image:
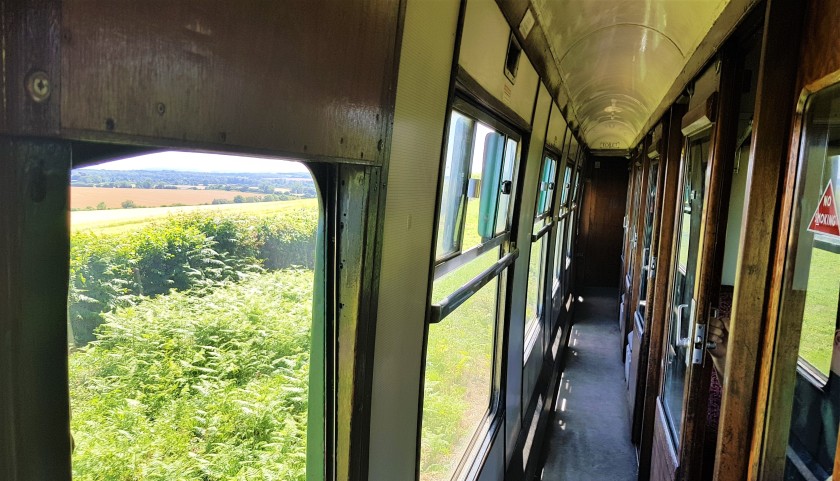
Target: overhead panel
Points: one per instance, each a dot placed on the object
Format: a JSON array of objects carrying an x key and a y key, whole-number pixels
[
  {"x": 556, "y": 129},
  {"x": 619, "y": 58},
  {"x": 307, "y": 78},
  {"x": 484, "y": 45}
]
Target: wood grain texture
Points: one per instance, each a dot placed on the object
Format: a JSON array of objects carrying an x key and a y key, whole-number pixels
[
  {"x": 818, "y": 65},
  {"x": 639, "y": 227},
  {"x": 30, "y": 43},
  {"x": 631, "y": 248},
  {"x": 656, "y": 315},
  {"x": 643, "y": 351},
  {"x": 600, "y": 223},
  {"x": 34, "y": 273},
  {"x": 774, "y": 103},
  {"x": 308, "y": 78},
  {"x": 664, "y": 461},
  {"x": 710, "y": 259}
]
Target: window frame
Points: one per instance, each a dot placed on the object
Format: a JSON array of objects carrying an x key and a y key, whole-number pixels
[{"x": 437, "y": 312}]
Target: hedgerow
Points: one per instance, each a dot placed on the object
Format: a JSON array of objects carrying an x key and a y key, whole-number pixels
[{"x": 191, "y": 251}]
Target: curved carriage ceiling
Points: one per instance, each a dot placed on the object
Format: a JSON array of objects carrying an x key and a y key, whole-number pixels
[{"x": 620, "y": 63}]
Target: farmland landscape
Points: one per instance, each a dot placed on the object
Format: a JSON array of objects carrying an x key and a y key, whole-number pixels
[
  {"x": 112, "y": 197},
  {"x": 190, "y": 325}
]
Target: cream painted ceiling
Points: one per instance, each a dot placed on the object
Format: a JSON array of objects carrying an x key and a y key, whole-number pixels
[{"x": 618, "y": 59}]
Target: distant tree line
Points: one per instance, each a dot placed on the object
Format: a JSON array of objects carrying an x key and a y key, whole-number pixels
[{"x": 298, "y": 183}]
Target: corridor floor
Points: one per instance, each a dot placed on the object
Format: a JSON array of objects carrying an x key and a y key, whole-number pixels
[{"x": 589, "y": 435}]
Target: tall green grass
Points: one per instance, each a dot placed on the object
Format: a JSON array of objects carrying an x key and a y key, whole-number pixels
[
  {"x": 200, "y": 388},
  {"x": 820, "y": 314}
]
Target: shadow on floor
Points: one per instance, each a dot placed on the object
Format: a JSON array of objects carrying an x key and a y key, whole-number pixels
[{"x": 589, "y": 435}]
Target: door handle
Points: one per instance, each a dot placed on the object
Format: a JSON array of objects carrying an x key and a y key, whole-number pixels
[{"x": 681, "y": 341}]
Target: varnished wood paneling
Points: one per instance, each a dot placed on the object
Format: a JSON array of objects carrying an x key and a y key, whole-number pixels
[
  {"x": 818, "y": 66},
  {"x": 313, "y": 78},
  {"x": 30, "y": 45},
  {"x": 600, "y": 222},
  {"x": 710, "y": 262},
  {"x": 664, "y": 462},
  {"x": 656, "y": 314},
  {"x": 34, "y": 273}
]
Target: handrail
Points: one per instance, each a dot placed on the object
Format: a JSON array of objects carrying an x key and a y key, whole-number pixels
[
  {"x": 458, "y": 259},
  {"x": 541, "y": 232},
  {"x": 451, "y": 302}
]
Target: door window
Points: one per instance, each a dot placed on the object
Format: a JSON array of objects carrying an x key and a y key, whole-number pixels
[
  {"x": 676, "y": 356},
  {"x": 650, "y": 209},
  {"x": 812, "y": 293}
]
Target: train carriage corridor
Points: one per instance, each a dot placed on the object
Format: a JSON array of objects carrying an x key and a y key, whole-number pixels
[{"x": 589, "y": 434}]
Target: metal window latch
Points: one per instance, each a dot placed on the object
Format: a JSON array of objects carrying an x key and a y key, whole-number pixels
[
  {"x": 506, "y": 187},
  {"x": 652, "y": 267}
]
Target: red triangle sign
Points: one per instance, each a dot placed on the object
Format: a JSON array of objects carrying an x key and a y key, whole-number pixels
[{"x": 825, "y": 219}]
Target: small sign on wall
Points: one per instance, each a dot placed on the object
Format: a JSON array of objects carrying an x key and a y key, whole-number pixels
[{"x": 824, "y": 220}]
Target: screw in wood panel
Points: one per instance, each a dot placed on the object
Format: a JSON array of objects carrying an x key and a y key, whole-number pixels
[
  {"x": 161, "y": 108},
  {"x": 109, "y": 124},
  {"x": 379, "y": 145},
  {"x": 38, "y": 86}
]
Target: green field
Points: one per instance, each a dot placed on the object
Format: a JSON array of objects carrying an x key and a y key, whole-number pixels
[
  {"x": 820, "y": 316},
  {"x": 115, "y": 221}
]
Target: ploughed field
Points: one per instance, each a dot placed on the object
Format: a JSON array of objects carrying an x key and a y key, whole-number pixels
[{"x": 120, "y": 220}]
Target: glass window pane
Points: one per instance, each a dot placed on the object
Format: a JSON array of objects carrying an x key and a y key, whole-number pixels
[
  {"x": 812, "y": 295},
  {"x": 650, "y": 209},
  {"x": 533, "y": 304},
  {"x": 458, "y": 383},
  {"x": 567, "y": 175},
  {"x": 456, "y": 176},
  {"x": 449, "y": 282},
  {"x": 191, "y": 328},
  {"x": 558, "y": 247},
  {"x": 546, "y": 188},
  {"x": 570, "y": 240},
  {"x": 486, "y": 167},
  {"x": 511, "y": 150},
  {"x": 677, "y": 353}
]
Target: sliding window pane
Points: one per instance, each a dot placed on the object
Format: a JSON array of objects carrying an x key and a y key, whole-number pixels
[
  {"x": 485, "y": 178},
  {"x": 534, "y": 301},
  {"x": 511, "y": 149},
  {"x": 458, "y": 383},
  {"x": 456, "y": 176}
]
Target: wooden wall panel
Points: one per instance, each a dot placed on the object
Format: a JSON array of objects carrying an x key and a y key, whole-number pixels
[
  {"x": 34, "y": 273},
  {"x": 664, "y": 460},
  {"x": 814, "y": 24},
  {"x": 30, "y": 26},
  {"x": 314, "y": 78},
  {"x": 599, "y": 239}
]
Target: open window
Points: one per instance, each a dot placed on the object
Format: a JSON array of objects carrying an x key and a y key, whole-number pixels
[
  {"x": 463, "y": 364},
  {"x": 538, "y": 264},
  {"x": 196, "y": 330}
]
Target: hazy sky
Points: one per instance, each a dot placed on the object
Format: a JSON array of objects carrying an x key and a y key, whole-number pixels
[{"x": 199, "y": 162}]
